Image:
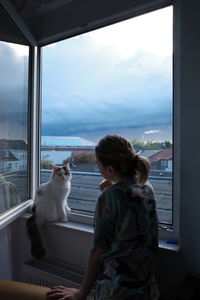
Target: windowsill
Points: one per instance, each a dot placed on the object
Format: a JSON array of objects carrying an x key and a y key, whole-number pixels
[
  {"x": 77, "y": 222},
  {"x": 169, "y": 245},
  {"x": 74, "y": 226},
  {"x": 85, "y": 228},
  {"x": 14, "y": 213}
]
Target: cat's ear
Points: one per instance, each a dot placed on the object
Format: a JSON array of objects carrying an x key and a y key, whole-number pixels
[
  {"x": 54, "y": 167},
  {"x": 67, "y": 166}
]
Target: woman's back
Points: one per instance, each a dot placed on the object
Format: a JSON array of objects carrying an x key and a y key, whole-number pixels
[{"x": 126, "y": 227}]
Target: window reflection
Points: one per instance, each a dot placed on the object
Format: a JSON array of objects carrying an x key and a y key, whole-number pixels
[{"x": 13, "y": 124}]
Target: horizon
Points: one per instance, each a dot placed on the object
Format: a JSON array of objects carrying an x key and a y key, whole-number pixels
[{"x": 131, "y": 140}]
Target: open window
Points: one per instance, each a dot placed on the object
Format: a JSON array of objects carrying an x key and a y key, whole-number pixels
[
  {"x": 113, "y": 80},
  {"x": 14, "y": 116}
]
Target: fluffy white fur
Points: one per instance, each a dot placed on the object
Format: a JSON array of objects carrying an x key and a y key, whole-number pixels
[{"x": 51, "y": 198}]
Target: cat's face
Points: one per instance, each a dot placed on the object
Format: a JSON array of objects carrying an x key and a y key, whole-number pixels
[{"x": 62, "y": 173}]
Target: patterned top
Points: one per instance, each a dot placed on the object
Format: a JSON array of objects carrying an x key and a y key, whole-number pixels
[{"x": 126, "y": 227}]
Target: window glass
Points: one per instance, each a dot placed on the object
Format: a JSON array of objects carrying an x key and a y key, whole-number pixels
[
  {"x": 13, "y": 124},
  {"x": 114, "y": 80}
]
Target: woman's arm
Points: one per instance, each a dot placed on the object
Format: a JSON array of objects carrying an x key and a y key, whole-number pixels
[
  {"x": 13, "y": 290},
  {"x": 92, "y": 271}
]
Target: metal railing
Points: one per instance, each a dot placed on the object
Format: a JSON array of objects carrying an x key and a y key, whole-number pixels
[{"x": 161, "y": 177}]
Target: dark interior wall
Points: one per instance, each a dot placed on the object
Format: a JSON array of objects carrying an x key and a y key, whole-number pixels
[
  {"x": 84, "y": 15},
  {"x": 173, "y": 267},
  {"x": 8, "y": 30},
  {"x": 189, "y": 135}
]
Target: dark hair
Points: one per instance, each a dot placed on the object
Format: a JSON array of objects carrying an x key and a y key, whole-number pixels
[{"x": 116, "y": 151}]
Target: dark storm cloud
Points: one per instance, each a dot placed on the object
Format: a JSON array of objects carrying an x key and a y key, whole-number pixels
[{"x": 91, "y": 88}]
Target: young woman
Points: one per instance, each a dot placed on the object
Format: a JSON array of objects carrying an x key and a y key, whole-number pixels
[{"x": 125, "y": 229}]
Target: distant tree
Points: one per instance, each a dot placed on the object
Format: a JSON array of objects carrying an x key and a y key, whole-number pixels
[
  {"x": 83, "y": 158},
  {"x": 137, "y": 143},
  {"x": 168, "y": 144},
  {"x": 146, "y": 145},
  {"x": 46, "y": 164},
  {"x": 150, "y": 145}
]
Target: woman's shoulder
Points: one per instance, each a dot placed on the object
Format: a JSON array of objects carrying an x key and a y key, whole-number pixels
[
  {"x": 148, "y": 189},
  {"x": 121, "y": 187},
  {"x": 114, "y": 189},
  {"x": 129, "y": 188},
  {"x": 110, "y": 194}
]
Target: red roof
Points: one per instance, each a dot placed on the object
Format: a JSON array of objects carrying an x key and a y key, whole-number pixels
[{"x": 162, "y": 154}]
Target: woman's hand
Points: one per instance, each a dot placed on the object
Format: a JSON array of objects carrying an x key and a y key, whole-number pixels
[
  {"x": 104, "y": 184},
  {"x": 63, "y": 293}
]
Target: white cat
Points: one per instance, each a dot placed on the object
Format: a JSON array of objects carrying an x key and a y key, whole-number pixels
[
  {"x": 51, "y": 197},
  {"x": 50, "y": 205}
]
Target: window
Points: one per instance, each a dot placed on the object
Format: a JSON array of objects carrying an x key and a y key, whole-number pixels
[
  {"x": 13, "y": 124},
  {"x": 114, "y": 80}
]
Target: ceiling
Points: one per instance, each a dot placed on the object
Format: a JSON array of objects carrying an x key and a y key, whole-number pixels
[{"x": 43, "y": 22}]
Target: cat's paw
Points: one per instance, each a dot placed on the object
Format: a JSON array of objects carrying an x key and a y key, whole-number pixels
[{"x": 67, "y": 209}]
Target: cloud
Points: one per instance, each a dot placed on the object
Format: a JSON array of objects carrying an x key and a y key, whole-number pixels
[
  {"x": 118, "y": 99},
  {"x": 94, "y": 84},
  {"x": 127, "y": 35},
  {"x": 151, "y": 131}
]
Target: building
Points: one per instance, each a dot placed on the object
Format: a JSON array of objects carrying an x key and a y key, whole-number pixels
[
  {"x": 161, "y": 160},
  {"x": 58, "y": 149},
  {"x": 13, "y": 156}
]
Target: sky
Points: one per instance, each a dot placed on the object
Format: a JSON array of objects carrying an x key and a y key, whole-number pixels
[
  {"x": 13, "y": 91},
  {"x": 115, "y": 80}
]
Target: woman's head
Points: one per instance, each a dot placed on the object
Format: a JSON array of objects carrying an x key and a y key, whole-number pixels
[{"x": 116, "y": 151}]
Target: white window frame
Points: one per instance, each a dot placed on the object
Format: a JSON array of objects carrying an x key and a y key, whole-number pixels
[
  {"x": 171, "y": 236},
  {"x": 13, "y": 213}
]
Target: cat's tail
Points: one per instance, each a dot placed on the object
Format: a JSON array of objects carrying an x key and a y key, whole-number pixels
[{"x": 37, "y": 249}]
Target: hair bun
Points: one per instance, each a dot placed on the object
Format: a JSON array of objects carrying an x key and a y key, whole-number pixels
[{"x": 135, "y": 159}]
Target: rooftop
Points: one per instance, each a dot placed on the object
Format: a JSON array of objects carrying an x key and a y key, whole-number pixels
[{"x": 162, "y": 154}]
